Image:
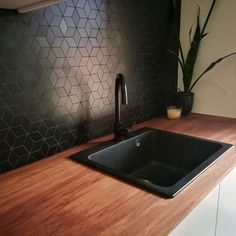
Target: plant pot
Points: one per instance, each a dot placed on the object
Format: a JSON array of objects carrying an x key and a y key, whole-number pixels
[{"x": 185, "y": 100}]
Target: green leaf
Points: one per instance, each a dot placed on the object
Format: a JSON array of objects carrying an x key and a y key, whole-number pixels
[
  {"x": 179, "y": 59},
  {"x": 187, "y": 65},
  {"x": 211, "y": 66},
  {"x": 204, "y": 35},
  {"x": 190, "y": 33},
  {"x": 208, "y": 17},
  {"x": 192, "y": 56},
  {"x": 176, "y": 30}
]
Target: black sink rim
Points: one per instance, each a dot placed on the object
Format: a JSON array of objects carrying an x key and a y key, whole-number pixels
[{"x": 169, "y": 191}]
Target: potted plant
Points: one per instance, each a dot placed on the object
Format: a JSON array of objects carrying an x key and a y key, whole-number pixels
[{"x": 185, "y": 98}]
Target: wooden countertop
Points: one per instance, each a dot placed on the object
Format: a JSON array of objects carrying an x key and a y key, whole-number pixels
[{"x": 57, "y": 196}]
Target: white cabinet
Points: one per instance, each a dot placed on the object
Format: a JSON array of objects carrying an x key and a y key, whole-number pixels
[
  {"x": 226, "y": 222},
  {"x": 215, "y": 215},
  {"x": 202, "y": 219}
]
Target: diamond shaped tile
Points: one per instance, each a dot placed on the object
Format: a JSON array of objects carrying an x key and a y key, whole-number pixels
[{"x": 58, "y": 67}]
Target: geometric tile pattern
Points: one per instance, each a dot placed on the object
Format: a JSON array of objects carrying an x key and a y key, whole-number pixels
[{"x": 58, "y": 67}]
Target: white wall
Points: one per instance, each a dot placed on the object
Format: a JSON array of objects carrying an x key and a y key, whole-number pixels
[{"x": 215, "y": 93}]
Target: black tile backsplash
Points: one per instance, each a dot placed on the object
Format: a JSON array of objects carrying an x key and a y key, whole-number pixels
[{"x": 58, "y": 68}]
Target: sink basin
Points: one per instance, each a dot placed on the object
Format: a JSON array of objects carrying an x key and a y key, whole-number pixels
[{"x": 159, "y": 161}]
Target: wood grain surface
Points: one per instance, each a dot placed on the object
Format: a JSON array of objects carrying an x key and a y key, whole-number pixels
[{"x": 57, "y": 196}]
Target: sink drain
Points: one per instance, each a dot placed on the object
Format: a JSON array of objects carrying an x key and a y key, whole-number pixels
[{"x": 137, "y": 142}]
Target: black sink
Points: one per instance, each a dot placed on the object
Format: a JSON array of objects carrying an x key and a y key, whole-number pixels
[{"x": 160, "y": 161}]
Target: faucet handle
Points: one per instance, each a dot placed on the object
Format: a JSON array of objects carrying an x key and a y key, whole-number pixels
[{"x": 127, "y": 132}]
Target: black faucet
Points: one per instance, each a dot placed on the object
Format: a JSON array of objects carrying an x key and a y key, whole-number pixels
[{"x": 120, "y": 133}]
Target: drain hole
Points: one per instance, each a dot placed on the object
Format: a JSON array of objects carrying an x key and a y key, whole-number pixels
[{"x": 137, "y": 142}]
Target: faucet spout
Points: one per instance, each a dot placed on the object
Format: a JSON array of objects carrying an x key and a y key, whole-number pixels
[
  {"x": 121, "y": 96},
  {"x": 120, "y": 83},
  {"x": 120, "y": 86}
]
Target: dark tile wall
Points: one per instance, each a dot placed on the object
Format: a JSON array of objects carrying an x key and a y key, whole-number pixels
[{"x": 58, "y": 67}]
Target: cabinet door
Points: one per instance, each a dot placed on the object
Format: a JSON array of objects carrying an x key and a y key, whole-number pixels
[
  {"x": 226, "y": 222},
  {"x": 202, "y": 219}
]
